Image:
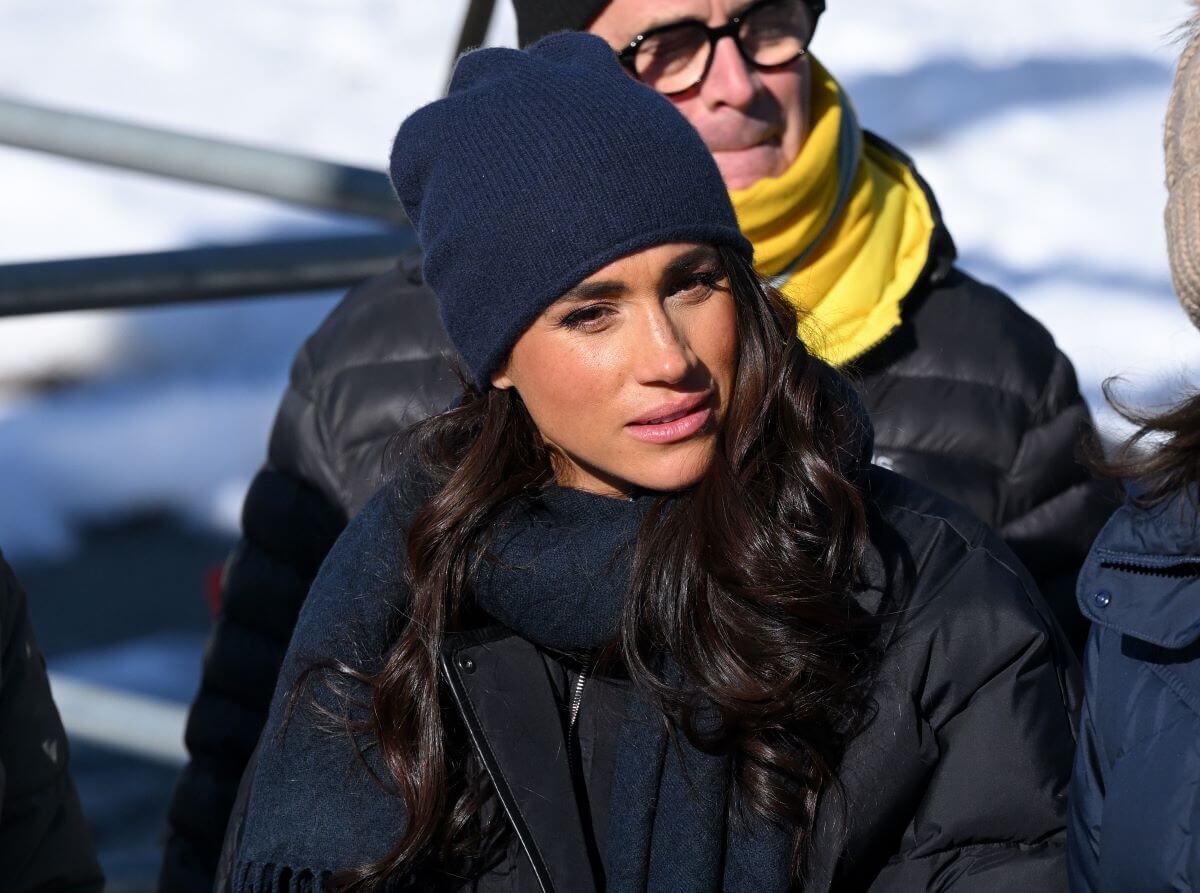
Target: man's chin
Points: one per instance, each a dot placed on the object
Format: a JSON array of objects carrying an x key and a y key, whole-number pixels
[{"x": 741, "y": 168}]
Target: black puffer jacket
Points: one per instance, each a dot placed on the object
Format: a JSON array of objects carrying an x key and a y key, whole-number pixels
[
  {"x": 45, "y": 844},
  {"x": 970, "y": 396},
  {"x": 957, "y": 782}
]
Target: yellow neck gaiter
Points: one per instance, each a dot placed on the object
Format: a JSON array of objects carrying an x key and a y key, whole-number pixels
[{"x": 844, "y": 232}]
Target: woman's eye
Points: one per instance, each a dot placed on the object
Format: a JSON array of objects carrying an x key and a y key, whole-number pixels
[
  {"x": 586, "y": 318},
  {"x": 699, "y": 284}
]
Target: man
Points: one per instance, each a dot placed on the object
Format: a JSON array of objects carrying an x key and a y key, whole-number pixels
[{"x": 967, "y": 393}]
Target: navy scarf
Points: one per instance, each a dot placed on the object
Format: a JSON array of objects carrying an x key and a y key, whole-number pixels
[
  {"x": 560, "y": 581},
  {"x": 668, "y": 827}
]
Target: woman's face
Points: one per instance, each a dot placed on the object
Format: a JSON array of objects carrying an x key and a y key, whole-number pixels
[{"x": 628, "y": 375}]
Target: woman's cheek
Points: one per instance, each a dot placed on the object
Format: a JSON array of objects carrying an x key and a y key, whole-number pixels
[
  {"x": 570, "y": 391},
  {"x": 717, "y": 341}
]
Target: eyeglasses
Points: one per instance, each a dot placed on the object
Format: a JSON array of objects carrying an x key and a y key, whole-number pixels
[{"x": 675, "y": 58}]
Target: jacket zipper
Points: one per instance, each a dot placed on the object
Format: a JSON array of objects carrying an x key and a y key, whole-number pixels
[
  {"x": 573, "y": 716},
  {"x": 1183, "y": 568}
]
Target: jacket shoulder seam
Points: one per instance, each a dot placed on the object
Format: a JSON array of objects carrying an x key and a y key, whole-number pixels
[
  {"x": 970, "y": 546},
  {"x": 980, "y": 847},
  {"x": 886, "y": 448},
  {"x": 967, "y": 382},
  {"x": 1042, "y": 626},
  {"x": 991, "y": 555}
]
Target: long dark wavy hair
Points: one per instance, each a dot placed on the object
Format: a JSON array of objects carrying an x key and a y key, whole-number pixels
[
  {"x": 1162, "y": 455},
  {"x": 753, "y": 603}
]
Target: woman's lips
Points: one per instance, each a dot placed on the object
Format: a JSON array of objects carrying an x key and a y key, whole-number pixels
[{"x": 669, "y": 424}]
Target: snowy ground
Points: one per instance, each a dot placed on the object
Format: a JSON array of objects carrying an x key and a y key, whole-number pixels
[{"x": 1038, "y": 125}]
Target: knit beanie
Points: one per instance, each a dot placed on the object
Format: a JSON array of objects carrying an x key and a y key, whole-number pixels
[
  {"x": 1182, "y": 144},
  {"x": 538, "y": 18},
  {"x": 538, "y": 168}
]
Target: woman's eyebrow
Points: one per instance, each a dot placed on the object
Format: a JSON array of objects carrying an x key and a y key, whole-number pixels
[
  {"x": 590, "y": 291},
  {"x": 687, "y": 262}
]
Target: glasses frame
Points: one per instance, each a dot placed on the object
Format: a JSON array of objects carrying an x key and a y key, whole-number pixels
[{"x": 715, "y": 35}]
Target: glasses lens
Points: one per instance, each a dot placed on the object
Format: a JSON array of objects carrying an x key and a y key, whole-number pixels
[
  {"x": 673, "y": 59},
  {"x": 777, "y": 33}
]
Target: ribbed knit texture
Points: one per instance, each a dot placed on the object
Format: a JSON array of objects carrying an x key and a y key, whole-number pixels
[
  {"x": 1182, "y": 144},
  {"x": 538, "y": 18},
  {"x": 539, "y": 168}
]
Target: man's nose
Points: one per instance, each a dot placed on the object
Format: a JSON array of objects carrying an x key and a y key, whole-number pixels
[{"x": 731, "y": 81}]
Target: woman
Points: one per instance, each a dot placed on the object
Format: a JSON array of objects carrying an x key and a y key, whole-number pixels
[
  {"x": 1134, "y": 804},
  {"x": 637, "y": 614}
]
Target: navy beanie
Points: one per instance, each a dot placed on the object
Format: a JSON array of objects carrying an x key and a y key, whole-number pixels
[{"x": 538, "y": 168}]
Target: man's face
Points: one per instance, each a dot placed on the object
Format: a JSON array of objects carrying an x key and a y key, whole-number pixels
[{"x": 754, "y": 121}]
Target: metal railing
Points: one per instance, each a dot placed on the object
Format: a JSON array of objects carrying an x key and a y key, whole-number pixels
[
  {"x": 296, "y": 179},
  {"x": 198, "y": 274},
  {"x": 218, "y": 272},
  {"x": 209, "y": 273},
  {"x": 148, "y": 727}
]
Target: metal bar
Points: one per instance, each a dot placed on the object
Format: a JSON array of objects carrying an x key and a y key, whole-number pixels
[
  {"x": 474, "y": 27},
  {"x": 198, "y": 274},
  {"x": 288, "y": 177},
  {"x": 147, "y": 727}
]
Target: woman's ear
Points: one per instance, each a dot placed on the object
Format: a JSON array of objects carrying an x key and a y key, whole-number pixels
[{"x": 501, "y": 380}]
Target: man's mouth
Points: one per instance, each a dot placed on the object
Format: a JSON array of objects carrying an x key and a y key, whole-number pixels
[
  {"x": 746, "y": 148},
  {"x": 742, "y": 143}
]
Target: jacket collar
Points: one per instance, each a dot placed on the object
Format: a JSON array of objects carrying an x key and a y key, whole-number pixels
[
  {"x": 503, "y": 695},
  {"x": 1142, "y": 577}
]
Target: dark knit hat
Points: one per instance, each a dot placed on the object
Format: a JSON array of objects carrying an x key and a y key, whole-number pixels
[
  {"x": 538, "y": 168},
  {"x": 538, "y": 18}
]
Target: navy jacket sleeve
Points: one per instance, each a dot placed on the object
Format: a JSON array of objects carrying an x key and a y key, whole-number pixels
[{"x": 44, "y": 840}]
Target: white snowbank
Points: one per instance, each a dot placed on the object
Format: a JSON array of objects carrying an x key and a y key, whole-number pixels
[{"x": 1037, "y": 124}]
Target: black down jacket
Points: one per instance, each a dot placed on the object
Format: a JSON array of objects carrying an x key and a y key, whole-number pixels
[
  {"x": 970, "y": 396},
  {"x": 957, "y": 782},
  {"x": 45, "y": 844}
]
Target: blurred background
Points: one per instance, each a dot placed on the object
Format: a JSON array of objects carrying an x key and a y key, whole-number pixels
[{"x": 127, "y": 438}]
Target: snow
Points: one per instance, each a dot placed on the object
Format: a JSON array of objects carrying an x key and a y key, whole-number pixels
[{"x": 1039, "y": 126}]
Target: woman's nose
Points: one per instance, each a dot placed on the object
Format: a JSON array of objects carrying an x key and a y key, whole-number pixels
[{"x": 663, "y": 355}]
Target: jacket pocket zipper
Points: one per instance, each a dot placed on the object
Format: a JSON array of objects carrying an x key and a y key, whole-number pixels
[{"x": 1177, "y": 570}]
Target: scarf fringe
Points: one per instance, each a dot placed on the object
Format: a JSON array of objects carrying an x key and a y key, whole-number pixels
[{"x": 271, "y": 877}]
